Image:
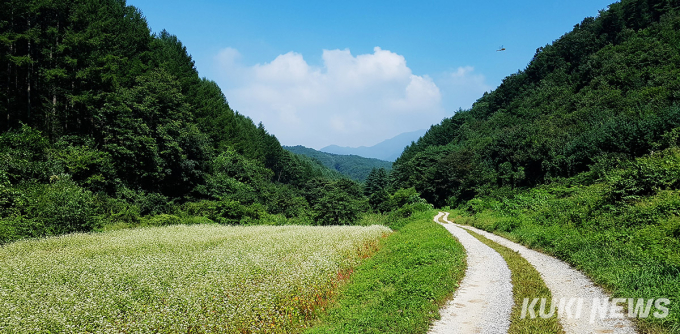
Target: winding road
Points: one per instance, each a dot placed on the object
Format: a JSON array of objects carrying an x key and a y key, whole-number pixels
[{"x": 483, "y": 302}]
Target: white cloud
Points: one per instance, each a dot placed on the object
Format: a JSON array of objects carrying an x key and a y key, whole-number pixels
[{"x": 348, "y": 100}]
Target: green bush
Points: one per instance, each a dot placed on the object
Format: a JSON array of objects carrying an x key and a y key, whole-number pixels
[
  {"x": 647, "y": 175},
  {"x": 14, "y": 228},
  {"x": 59, "y": 207},
  {"x": 380, "y": 201},
  {"x": 335, "y": 202},
  {"x": 195, "y": 220},
  {"x": 405, "y": 196},
  {"x": 268, "y": 219},
  {"x": 207, "y": 209},
  {"x": 119, "y": 212},
  {"x": 287, "y": 201},
  {"x": 148, "y": 203},
  {"x": 226, "y": 211},
  {"x": 161, "y": 220},
  {"x": 475, "y": 205},
  {"x": 672, "y": 228},
  {"x": 10, "y": 198},
  {"x": 336, "y": 208}
]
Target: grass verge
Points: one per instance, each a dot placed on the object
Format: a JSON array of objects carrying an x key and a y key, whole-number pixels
[
  {"x": 400, "y": 288},
  {"x": 526, "y": 283}
]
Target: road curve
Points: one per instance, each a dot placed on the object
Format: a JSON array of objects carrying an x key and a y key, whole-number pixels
[
  {"x": 483, "y": 302},
  {"x": 569, "y": 284}
]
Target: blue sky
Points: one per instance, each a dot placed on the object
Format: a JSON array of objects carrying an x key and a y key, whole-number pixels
[{"x": 355, "y": 73}]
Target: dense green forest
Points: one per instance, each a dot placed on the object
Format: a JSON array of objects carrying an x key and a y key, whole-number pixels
[
  {"x": 578, "y": 154},
  {"x": 106, "y": 125},
  {"x": 355, "y": 167},
  {"x": 605, "y": 92}
]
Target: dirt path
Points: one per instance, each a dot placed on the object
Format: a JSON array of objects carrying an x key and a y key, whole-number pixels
[
  {"x": 570, "y": 288},
  {"x": 483, "y": 302}
]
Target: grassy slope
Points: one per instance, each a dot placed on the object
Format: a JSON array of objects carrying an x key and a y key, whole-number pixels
[{"x": 400, "y": 289}]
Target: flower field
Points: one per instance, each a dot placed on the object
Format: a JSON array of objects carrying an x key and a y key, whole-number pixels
[{"x": 201, "y": 278}]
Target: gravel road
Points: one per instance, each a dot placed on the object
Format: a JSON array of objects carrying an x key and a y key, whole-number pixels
[
  {"x": 483, "y": 302},
  {"x": 565, "y": 283}
]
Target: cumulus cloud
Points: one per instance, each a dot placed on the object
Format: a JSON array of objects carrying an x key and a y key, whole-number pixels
[{"x": 348, "y": 100}]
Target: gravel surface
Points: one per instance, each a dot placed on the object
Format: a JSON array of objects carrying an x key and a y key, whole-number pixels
[
  {"x": 566, "y": 282},
  {"x": 483, "y": 302}
]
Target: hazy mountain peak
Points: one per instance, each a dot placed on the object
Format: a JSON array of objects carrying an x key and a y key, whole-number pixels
[{"x": 388, "y": 150}]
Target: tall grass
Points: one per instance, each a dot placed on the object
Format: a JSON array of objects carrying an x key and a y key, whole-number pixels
[{"x": 201, "y": 278}]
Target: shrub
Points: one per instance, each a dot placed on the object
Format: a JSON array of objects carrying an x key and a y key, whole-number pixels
[
  {"x": 9, "y": 197},
  {"x": 120, "y": 212},
  {"x": 61, "y": 207},
  {"x": 673, "y": 228},
  {"x": 646, "y": 176},
  {"x": 150, "y": 203},
  {"x": 405, "y": 196},
  {"x": 337, "y": 208},
  {"x": 475, "y": 205},
  {"x": 207, "y": 209},
  {"x": 13, "y": 228},
  {"x": 233, "y": 213},
  {"x": 161, "y": 220},
  {"x": 380, "y": 201}
]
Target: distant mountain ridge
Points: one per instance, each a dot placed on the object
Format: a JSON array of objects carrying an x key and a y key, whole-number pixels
[
  {"x": 388, "y": 150},
  {"x": 353, "y": 166}
]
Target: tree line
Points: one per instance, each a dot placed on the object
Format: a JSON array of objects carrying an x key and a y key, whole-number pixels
[
  {"x": 355, "y": 167},
  {"x": 105, "y": 124}
]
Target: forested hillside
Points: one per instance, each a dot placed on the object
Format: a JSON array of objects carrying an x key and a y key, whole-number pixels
[
  {"x": 353, "y": 166},
  {"x": 577, "y": 155},
  {"x": 603, "y": 92},
  {"x": 105, "y": 124}
]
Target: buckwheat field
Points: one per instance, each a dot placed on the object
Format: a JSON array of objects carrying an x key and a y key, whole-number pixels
[{"x": 201, "y": 278}]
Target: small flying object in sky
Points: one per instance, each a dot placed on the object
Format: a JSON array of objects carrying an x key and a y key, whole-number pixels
[{"x": 501, "y": 48}]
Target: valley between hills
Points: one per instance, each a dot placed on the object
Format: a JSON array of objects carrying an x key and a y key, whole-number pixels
[{"x": 134, "y": 198}]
